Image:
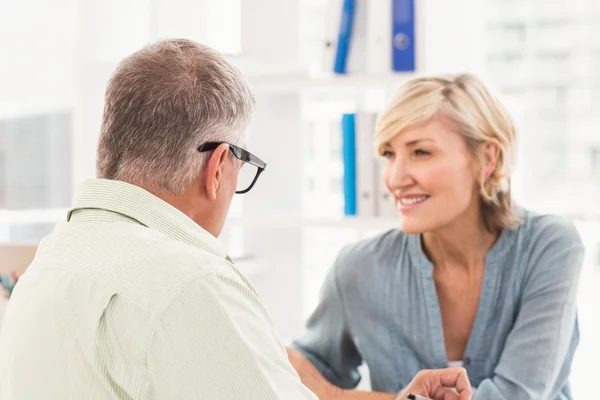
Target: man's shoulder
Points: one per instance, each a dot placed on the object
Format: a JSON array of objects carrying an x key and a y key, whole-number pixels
[
  {"x": 135, "y": 262},
  {"x": 167, "y": 267}
]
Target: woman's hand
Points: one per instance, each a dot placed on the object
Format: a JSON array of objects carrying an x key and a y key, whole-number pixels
[
  {"x": 439, "y": 385},
  {"x": 442, "y": 384}
]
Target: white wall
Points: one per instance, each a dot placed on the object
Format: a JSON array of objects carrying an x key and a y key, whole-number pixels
[
  {"x": 36, "y": 44},
  {"x": 450, "y": 36},
  {"x": 39, "y": 41}
]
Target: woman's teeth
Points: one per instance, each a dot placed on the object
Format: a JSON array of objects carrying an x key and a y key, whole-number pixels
[{"x": 407, "y": 201}]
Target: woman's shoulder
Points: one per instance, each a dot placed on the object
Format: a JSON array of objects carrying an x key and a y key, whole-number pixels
[
  {"x": 368, "y": 260},
  {"x": 381, "y": 248},
  {"x": 547, "y": 246},
  {"x": 541, "y": 230}
]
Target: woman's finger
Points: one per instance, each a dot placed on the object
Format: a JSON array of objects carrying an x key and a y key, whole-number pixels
[
  {"x": 457, "y": 378},
  {"x": 450, "y": 394}
]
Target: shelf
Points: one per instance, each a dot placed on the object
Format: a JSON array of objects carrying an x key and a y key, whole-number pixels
[
  {"x": 266, "y": 76},
  {"x": 33, "y": 216},
  {"x": 295, "y": 222},
  {"x": 292, "y": 82},
  {"x": 51, "y": 216}
]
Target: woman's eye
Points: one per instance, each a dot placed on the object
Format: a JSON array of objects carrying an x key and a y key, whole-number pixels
[
  {"x": 386, "y": 154},
  {"x": 419, "y": 152}
]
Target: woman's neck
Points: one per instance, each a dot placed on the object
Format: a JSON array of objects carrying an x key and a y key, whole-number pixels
[{"x": 462, "y": 244}]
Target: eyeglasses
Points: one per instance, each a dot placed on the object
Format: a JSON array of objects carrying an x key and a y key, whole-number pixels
[{"x": 250, "y": 170}]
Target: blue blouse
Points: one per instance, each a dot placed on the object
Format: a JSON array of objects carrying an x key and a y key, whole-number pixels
[{"x": 379, "y": 306}]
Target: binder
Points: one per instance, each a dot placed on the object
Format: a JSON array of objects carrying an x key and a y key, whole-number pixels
[
  {"x": 349, "y": 161},
  {"x": 344, "y": 37},
  {"x": 366, "y": 164},
  {"x": 357, "y": 51},
  {"x": 403, "y": 39},
  {"x": 378, "y": 53},
  {"x": 333, "y": 18}
]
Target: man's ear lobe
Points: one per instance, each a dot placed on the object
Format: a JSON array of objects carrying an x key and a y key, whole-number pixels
[{"x": 214, "y": 170}]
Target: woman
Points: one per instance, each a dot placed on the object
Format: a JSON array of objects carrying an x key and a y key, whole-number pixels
[{"x": 468, "y": 279}]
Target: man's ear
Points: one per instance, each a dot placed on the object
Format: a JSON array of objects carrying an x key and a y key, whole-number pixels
[{"x": 214, "y": 170}]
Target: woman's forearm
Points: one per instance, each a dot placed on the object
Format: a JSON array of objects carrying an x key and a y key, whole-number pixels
[
  {"x": 313, "y": 379},
  {"x": 359, "y": 395}
]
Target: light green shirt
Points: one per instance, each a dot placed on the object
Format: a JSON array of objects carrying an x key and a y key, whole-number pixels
[{"x": 130, "y": 299}]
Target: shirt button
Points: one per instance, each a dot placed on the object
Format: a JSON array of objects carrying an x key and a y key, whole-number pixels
[{"x": 467, "y": 361}]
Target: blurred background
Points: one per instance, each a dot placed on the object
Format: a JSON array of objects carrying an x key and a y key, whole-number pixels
[{"x": 541, "y": 56}]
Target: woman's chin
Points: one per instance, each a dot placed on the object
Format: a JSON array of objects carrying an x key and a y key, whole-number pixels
[{"x": 414, "y": 226}]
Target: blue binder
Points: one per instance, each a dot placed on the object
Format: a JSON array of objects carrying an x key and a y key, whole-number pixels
[
  {"x": 349, "y": 159},
  {"x": 403, "y": 40},
  {"x": 344, "y": 38}
]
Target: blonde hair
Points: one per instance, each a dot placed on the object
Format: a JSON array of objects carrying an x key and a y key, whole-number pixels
[{"x": 475, "y": 113}]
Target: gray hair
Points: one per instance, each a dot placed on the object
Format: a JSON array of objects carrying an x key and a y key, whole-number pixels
[{"x": 160, "y": 104}]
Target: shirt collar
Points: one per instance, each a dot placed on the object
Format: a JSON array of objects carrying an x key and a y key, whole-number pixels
[
  {"x": 496, "y": 252},
  {"x": 145, "y": 208}
]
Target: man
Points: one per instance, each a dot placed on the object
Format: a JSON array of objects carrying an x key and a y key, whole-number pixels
[{"x": 133, "y": 297}]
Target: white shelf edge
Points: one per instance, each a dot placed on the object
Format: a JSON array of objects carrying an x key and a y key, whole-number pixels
[
  {"x": 32, "y": 216},
  {"x": 292, "y": 222},
  {"x": 54, "y": 215},
  {"x": 274, "y": 82}
]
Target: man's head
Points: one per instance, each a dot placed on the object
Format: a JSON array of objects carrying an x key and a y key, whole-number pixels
[{"x": 161, "y": 103}]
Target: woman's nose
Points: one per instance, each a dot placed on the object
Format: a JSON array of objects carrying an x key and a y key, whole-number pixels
[{"x": 399, "y": 175}]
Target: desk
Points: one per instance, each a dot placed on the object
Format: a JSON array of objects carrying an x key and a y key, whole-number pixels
[{"x": 16, "y": 257}]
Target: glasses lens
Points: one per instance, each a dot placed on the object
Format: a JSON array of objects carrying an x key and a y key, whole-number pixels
[{"x": 246, "y": 176}]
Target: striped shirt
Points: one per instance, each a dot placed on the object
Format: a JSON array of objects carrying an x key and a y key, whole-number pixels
[{"x": 130, "y": 299}]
